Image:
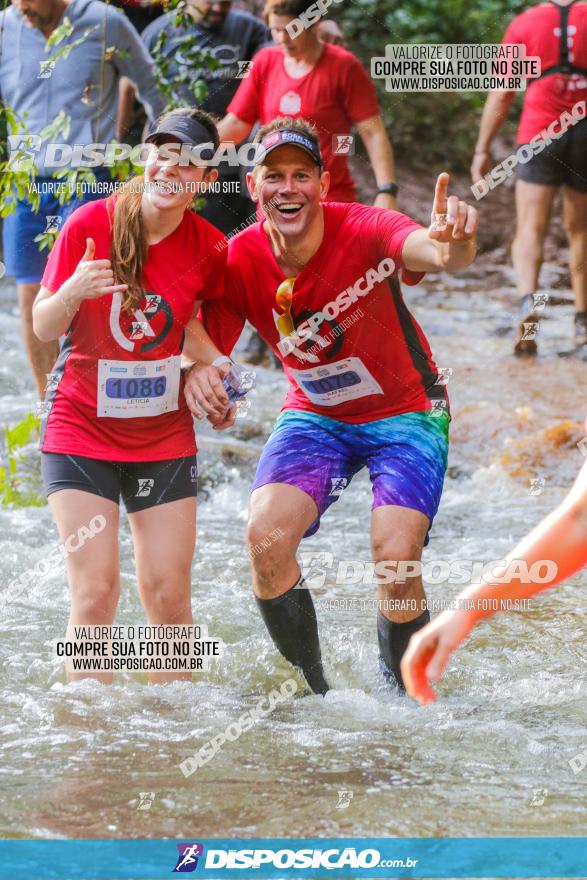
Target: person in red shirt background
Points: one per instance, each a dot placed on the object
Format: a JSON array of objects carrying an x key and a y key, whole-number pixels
[
  {"x": 323, "y": 83},
  {"x": 123, "y": 284},
  {"x": 556, "y": 32}
]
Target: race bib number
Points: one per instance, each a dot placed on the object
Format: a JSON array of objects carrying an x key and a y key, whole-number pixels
[
  {"x": 338, "y": 382},
  {"x": 135, "y": 389}
]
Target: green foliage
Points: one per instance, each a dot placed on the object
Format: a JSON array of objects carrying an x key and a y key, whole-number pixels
[
  {"x": 46, "y": 240},
  {"x": 17, "y": 172},
  {"x": 15, "y": 489},
  {"x": 173, "y": 86},
  {"x": 368, "y": 23},
  {"x": 59, "y": 34},
  {"x": 72, "y": 180},
  {"x": 437, "y": 126}
]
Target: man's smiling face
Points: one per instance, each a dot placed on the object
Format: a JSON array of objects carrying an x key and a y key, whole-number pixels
[{"x": 289, "y": 186}]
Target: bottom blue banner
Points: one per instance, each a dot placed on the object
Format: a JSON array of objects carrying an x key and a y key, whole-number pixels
[{"x": 282, "y": 858}]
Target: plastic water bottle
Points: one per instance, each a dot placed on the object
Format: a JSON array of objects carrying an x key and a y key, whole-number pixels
[{"x": 238, "y": 382}]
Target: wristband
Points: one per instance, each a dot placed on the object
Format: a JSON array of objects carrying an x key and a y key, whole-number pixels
[
  {"x": 221, "y": 359},
  {"x": 388, "y": 189}
]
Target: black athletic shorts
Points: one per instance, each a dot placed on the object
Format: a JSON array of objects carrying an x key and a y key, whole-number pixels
[
  {"x": 142, "y": 484},
  {"x": 564, "y": 162}
]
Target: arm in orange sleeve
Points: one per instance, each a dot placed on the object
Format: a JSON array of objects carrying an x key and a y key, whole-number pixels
[{"x": 560, "y": 540}]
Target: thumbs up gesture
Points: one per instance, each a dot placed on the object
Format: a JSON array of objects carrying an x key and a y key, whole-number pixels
[
  {"x": 452, "y": 220},
  {"x": 90, "y": 250},
  {"x": 92, "y": 278}
]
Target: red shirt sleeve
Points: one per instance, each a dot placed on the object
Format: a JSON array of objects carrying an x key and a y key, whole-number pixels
[
  {"x": 245, "y": 103},
  {"x": 388, "y": 230},
  {"x": 67, "y": 251},
  {"x": 360, "y": 97},
  {"x": 224, "y": 317},
  {"x": 514, "y": 33}
]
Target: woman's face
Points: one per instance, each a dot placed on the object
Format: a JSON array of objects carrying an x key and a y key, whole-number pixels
[
  {"x": 171, "y": 180},
  {"x": 294, "y": 47}
]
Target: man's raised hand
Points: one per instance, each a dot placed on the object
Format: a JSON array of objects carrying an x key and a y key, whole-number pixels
[{"x": 452, "y": 220}]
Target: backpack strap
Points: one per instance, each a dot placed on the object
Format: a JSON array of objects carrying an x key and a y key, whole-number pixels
[{"x": 564, "y": 66}]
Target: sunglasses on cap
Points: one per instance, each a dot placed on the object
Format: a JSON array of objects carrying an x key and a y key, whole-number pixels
[{"x": 283, "y": 299}]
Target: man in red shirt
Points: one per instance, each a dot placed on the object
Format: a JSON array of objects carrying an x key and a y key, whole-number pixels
[
  {"x": 320, "y": 283},
  {"x": 324, "y": 83},
  {"x": 557, "y": 33}
]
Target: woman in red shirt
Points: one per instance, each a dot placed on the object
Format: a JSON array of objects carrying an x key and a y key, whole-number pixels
[
  {"x": 323, "y": 83},
  {"x": 124, "y": 283}
]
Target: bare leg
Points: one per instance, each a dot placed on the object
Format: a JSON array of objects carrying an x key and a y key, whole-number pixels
[
  {"x": 93, "y": 571},
  {"x": 285, "y": 511},
  {"x": 279, "y": 516},
  {"x": 398, "y": 535},
  {"x": 575, "y": 216},
  {"x": 41, "y": 355},
  {"x": 165, "y": 540},
  {"x": 533, "y": 209}
]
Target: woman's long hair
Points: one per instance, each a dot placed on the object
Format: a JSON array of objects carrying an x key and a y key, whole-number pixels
[{"x": 128, "y": 251}]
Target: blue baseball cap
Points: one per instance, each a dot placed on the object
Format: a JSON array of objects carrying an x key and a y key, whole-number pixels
[{"x": 284, "y": 137}]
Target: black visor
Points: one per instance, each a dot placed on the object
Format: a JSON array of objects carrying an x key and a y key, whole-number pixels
[{"x": 185, "y": 131}]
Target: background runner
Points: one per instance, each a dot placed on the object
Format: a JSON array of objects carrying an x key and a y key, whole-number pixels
[{"x": 555, "y": 32}]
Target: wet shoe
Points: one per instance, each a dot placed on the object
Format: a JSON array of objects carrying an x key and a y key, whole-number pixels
[
  {"x": 580, "y": 329},
  {"x": 529, "y": 321}
]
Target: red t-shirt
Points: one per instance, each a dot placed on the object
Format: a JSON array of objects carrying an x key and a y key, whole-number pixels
[
  {"x": 336, "y": 93},
  {"x": 113, "y": 365},
  {"x": 539, "y": 30},
  {"x": 367, "y": 357}
]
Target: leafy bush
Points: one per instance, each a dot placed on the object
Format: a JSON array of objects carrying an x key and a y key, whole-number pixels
[
  {"x": 17, "y": 486},
  {"x": 436, "y": 126}
]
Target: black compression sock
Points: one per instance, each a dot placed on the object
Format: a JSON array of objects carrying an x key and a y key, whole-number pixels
[
  {"x": 393, "y": 641},
  {"x": 291, "y": 621}
]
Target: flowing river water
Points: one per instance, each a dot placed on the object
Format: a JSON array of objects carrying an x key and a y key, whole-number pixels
[{"x": 490, "y": 758}]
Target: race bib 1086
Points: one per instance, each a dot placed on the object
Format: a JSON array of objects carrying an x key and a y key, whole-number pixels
[{"x": 135, "y": 389}]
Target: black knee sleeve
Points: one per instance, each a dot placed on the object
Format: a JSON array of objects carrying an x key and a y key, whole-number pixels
[
  {"x": 291, "y": 621},
  {"x": 393, "y": 641}
]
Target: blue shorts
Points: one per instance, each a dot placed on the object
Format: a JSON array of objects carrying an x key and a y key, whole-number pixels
[
  {"x": 22, "y": 257},
  {"x": 406, "y": 456}
]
